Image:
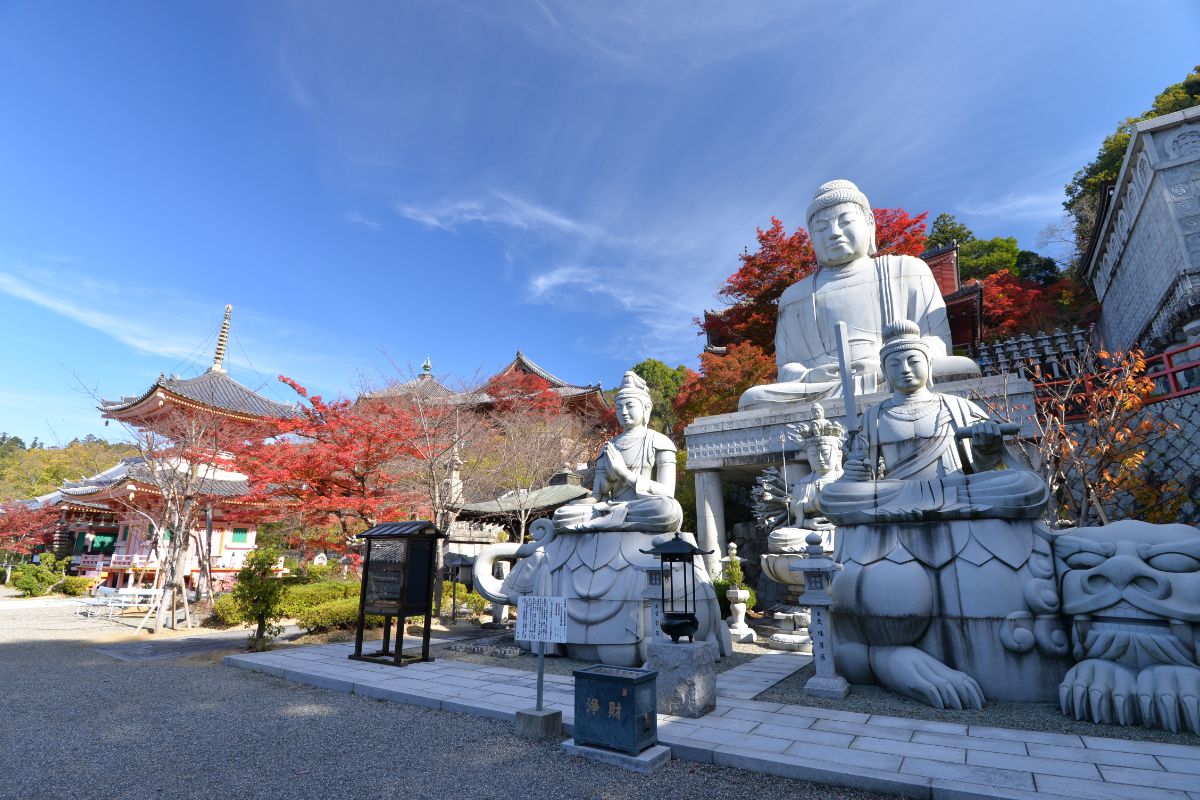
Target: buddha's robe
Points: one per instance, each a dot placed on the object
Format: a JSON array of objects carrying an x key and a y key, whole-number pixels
[
  {"x": 927, "y": 474},
  {"x": 647, "y": 505},
  {"x": 865, "y": 295}
]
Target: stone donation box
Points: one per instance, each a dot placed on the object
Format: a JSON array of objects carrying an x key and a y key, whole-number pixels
[
  {"x": 397, "y": 583},
  {"x": 616, "y": 708}
]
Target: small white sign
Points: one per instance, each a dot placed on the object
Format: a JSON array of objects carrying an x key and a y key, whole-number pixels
[{"x": 541, "y": 619}]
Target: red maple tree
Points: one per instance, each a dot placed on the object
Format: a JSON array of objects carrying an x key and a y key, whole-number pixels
[
  {"x": 1013, "y": 306},
  {"x": 23, "y": 529},
  {"x": 532, "y": 394},
  {"x": 753, "y": 291},
  {"x": 722, "y": 379},
  {"x": 340, "y": 459}
]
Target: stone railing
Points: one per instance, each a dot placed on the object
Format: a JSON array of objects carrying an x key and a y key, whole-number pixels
[{"x": 1041, "y": 357}]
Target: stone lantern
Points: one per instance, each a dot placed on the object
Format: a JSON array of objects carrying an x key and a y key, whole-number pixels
[
  {"x": 677, "y": 578},
  {"x": 818, "y": 570}
]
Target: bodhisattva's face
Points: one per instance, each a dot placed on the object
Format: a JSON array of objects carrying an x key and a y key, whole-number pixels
[
  {"x": 907, "y": 370},
  {"x": 825, "y": 456},
  {"x": 840, "y": 234},
  {"x": 631, "y": 412}
]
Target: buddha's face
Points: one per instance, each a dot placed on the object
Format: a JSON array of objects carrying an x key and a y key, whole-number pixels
[
  {"x": 840, "y": 234},
  {"x": 907, "y": 370},
  {"x": 631, "y": 412}
]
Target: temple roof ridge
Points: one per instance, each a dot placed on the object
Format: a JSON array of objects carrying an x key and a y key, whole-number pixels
[{"x": 556, "y": 382}]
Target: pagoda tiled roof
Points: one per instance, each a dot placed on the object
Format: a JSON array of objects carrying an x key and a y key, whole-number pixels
[
  {"x": 214, "y": 389},
  {"x": 136, "y": 469},
  {"x": 425, "y": 387},
  {"x": 537, "y": 500}
]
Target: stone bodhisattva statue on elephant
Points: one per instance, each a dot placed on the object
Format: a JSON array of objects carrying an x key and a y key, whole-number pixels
[{"x": 590, "y": 552}]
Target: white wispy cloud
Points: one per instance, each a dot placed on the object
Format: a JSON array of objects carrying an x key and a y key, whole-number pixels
[
  {"x": 358, "y": 219},
  {"x": 1017, "y": 206},
  {"x": 164, "y": 324},
  {"x": 123, "y": 328},
  {"x": 496, "y": 209}
]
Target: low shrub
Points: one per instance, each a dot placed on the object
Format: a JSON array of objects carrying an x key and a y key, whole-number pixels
[
  {"x": 225, "y": 611},
  {"x": 75, "y": 587},
  {"x": 259, "y": 596},
  {"x": 722, "y": 587},
  {"x": 38, "y": 579},
  {"x": 317, "y": 572},
  {"x": 302, "y": 596},
  {"x": 334, "y": 615},
  {"x": 476, "y": 604}
]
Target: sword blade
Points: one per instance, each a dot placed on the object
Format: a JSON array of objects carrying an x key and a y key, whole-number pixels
[{"x": 843, "y": 355}]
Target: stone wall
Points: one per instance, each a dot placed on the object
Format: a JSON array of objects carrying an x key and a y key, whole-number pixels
[
  {"x": 1145, "y": 262},
  {"x": 1174, "y": 457}
]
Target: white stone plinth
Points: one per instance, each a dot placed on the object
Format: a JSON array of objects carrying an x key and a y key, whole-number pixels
[{"x": 687, "y": 679}]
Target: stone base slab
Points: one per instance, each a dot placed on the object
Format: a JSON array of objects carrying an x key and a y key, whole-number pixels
[
  {"x": 743, "y": 634},
  {"x": 834, "y": 688},
  {"x": 687, "y": 679},
  {"x": 544, "y": 724},
  {"x": 644, "y": 762},
  {"x": 792, "y": 643}
]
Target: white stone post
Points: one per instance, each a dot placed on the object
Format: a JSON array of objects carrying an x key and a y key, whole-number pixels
[{"x": 710, "y": 519}]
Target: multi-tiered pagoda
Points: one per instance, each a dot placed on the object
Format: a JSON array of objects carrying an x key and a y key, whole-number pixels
[{"x": 108, "y": 520}]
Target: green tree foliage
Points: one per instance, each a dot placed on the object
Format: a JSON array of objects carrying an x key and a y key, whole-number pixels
[
  {"x": 35, "y": 580},
  {"x": 664, "y": 383},
  {"x": 947, "y": 230},
  {"x": 27, "y": 472},
  {"x": 259, "y": 596},
  {"x": 1038, "y": 268},
  {"x": 979, "y": 258},
  {"x": 1083, "y": 192}
]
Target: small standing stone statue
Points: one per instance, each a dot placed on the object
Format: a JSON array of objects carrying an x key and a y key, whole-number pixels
[{"x": 737, "y": 595}]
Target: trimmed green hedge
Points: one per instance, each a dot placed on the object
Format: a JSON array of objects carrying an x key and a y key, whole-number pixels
[
  {"x": 73, "y": 586},
  {"x": 336, "y": 614},
  {"x": 475, "y": 604},
  {"x": 304, "y": 596}
]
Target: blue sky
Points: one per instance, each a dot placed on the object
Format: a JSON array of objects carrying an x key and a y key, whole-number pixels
[{"x": 373, "y": 183}]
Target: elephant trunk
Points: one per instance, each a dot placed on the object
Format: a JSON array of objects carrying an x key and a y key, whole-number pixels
[{"x": 485, "y": 582}]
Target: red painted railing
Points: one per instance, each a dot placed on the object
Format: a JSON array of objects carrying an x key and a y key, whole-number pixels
[{"x": 1175, "y": 373}]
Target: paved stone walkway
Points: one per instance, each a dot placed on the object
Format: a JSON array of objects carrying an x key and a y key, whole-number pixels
[
  {"x": 914, "y": 758},
  {"x": 208, "y": 641}
]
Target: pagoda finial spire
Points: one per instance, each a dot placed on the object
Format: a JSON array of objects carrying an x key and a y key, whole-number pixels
[
  {"x": 222, "y": 340},
  {"x": 427, "y": 369}
]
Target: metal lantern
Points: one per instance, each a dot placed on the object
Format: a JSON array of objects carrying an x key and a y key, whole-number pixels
[
  {"x": 397, "y": 582},
  {"x": 677, "y": 578}
]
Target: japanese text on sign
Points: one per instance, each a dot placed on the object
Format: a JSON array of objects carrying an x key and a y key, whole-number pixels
[{"x": 541, "y": 619}]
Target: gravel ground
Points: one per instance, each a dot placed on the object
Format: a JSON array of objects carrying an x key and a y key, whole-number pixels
[
  {"x": 77, "y": 723},
  {"x": 1022, "y": 716}
]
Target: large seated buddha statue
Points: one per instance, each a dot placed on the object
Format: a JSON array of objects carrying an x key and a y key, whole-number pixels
[
  {"x": 866, "y": 291},
  {"x": 942, "y": 549}
]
